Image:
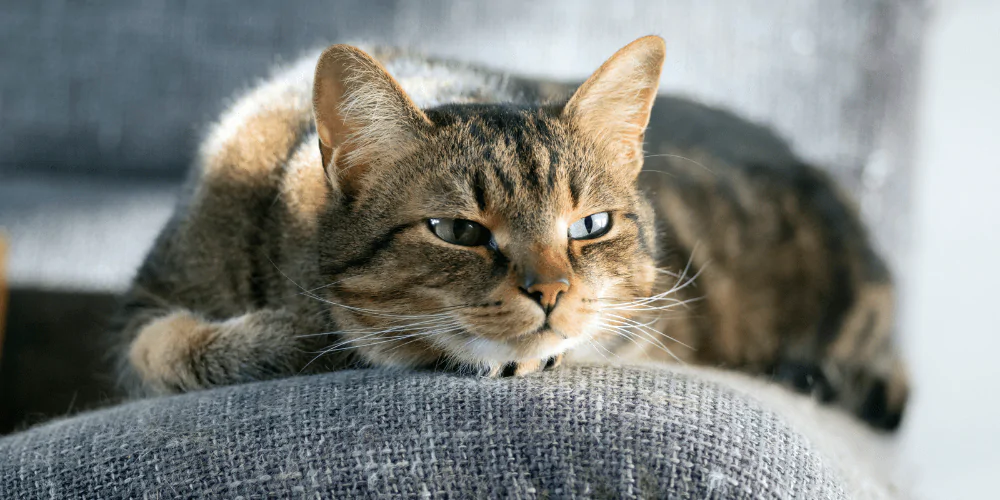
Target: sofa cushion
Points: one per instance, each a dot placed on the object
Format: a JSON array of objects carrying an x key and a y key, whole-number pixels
[{"x": 574, "y": 432}]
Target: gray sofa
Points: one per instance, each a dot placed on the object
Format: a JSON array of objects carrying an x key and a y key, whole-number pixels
[
  {"x": 572, "y": 433},
  {"x": 103, "y": 115}
]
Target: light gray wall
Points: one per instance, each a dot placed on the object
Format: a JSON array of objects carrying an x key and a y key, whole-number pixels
[{"x": 952, "y": 440}]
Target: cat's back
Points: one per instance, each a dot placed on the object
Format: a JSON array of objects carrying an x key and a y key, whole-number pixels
[
  {"x": 269, "y": 129},
  {"x": 259, "y": 131}
]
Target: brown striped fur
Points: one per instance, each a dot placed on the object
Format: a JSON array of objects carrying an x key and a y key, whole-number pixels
[{"x": 303, "y": 241}]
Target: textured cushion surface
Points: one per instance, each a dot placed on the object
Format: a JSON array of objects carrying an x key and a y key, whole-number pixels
[{"x": 574, "y": 432}]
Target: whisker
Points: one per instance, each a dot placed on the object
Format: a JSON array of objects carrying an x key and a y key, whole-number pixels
[
  {"x": 681, "y": 158},
  {"x": 421, "y": 333},
  {"x": 371, "y": 312},
  {"x": 328, "y": 285},
  {"x": 644, "y": 303},
  {"x": 458, "y": 328},
  {"x": 405, "y": 328},
  {"x": 369, "y": 330},
  {"x": 625, "y": 334},
  {"x": 597, "y": 349},
  {"x": 646, "y": 328},
  {"x": 415, "y": 336},
  {"x": 647, "y": 338}
]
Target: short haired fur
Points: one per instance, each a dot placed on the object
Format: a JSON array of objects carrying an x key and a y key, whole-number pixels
[{"x": 304, "y": 242}]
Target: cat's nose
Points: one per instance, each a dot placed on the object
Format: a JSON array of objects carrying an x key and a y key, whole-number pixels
[{"x": 544, "y": 290}]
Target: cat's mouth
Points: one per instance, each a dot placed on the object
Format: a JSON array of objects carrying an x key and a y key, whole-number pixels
[
  {"x": 546, "y": 328},
  {"x": 542, "y": 329},
  {"x": 541, "y": 342}
]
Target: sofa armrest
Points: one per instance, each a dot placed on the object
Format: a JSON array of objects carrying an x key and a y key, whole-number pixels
[{"x": 573, "y": 432}]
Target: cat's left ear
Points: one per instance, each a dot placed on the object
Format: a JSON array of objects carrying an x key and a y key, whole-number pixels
[
  {"x": 613, "y": 105},
  {"x": 363, "y": 117}
]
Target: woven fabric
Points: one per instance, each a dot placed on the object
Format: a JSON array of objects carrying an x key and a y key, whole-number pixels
[{"x": 571, "y": 433}]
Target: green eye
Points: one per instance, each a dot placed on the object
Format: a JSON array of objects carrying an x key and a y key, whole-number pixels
[
  {"x": 460, "y": 232},
  {"x": 591, "y": 226}
]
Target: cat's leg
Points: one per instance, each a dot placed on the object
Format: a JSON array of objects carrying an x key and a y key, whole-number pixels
[
  {"x": 869, "y": 378},
  {"x": 505, "y": 370},
  {"x": 875, "y": 389},
  {"x": 517, "y": 369},
  {"x": 861, "y": 369},
  {"x": 181, "y": 351}
]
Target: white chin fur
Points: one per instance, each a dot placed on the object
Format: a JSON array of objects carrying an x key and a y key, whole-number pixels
[{"x": 493, "y": 352}]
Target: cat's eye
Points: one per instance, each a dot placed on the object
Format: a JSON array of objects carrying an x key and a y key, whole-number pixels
[
  {"x": 591, "y": 226},
  {"x": 460, "y": 231}
]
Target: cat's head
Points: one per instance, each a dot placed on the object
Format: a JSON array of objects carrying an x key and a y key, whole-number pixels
[{"x": 483, "y": 234}]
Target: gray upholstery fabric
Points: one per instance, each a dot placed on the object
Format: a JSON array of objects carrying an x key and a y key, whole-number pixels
[
  {"x": 574, "y": 432},
  {"x": 126, "y": 86}
]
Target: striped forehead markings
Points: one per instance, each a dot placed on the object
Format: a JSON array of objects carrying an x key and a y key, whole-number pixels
[{"x": 518, "y": 151}]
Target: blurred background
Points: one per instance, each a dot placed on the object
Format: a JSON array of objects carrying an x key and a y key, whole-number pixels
[{"x": 102, "y": 106}]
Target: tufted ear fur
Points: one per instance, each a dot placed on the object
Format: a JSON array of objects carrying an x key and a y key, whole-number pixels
[
  {"x": 363, "y": 117},
  {"x": 613, "y": 105}
]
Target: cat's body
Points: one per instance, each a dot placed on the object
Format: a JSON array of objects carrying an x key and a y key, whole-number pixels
[{"x": 725, "y": 252}]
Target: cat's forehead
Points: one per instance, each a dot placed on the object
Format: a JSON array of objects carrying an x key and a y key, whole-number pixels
[
  {"x": 517, "y": 162},
  {"x": 494, "y": 124}
]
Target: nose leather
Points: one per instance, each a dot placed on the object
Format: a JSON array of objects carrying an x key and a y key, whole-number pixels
[{"x": 545, "y": 290}]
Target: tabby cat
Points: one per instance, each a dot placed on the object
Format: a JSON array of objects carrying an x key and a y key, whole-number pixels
[{"x": 449, "y": 217}]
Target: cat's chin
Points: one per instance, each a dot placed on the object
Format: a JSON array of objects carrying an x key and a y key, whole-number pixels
[{"x": 541, "y": 344}]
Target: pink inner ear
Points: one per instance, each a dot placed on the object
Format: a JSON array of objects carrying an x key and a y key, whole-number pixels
[
  {"x": 614, "y": 104},
  {"x": 363, "y": 117},
  {"x": 329, "y": 90}
]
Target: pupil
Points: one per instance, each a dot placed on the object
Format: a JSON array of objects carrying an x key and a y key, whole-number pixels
[
  {"x": 459, "y": 229},
  {"x": 588, "y": 221}
]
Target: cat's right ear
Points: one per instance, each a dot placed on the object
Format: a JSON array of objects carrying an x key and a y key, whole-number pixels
[
  {"x": 613, "y": 106},
  {"x": 363, "y": 117}
]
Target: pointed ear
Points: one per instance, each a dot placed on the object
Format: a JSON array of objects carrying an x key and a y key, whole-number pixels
[
  {"x": 613, "y": 105},
  {"x": 363, "y": 117}
]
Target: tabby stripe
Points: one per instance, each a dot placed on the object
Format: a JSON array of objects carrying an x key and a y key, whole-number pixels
[
  {"x": 378, "y": 246},
  {"x": 862, "y": 336},
  {"x": 838, "y": 227},
  {"x": 553, "y": 168},
  {"x": 480, "y": 135},
  {"x": 504, "y": 180},
  {"x": 478, "y": 188},
  {"x": 727, "y": 191},
  {"x": 500, "y": 261},
  {"x": 643, "y": 240},
  {"x": 259, "y": 248},
  {"x": 677, "y": 257},
  {"x": 526, "y": 158}
]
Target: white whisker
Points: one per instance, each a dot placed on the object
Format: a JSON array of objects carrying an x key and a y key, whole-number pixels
[
  {"x": 346, "y": 344},
  {"x": 678, "y": 157},
  {"x": 644, "y": 327}
]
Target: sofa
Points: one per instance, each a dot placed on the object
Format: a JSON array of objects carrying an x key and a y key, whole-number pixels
[
  {"x": 104, "y": 114},
  {"x": 576, "y": 432}
]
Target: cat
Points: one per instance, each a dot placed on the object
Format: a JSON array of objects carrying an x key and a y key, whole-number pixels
[{"x": 390, "y": 210}]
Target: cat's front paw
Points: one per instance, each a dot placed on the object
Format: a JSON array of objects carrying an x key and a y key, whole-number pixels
[
  {"x": 521, "y": 368},
  {"x": 877, "y": 396},
  {"x": 163, "y": 352}
]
